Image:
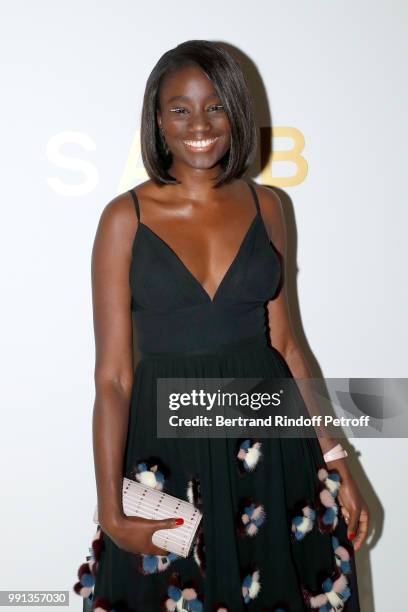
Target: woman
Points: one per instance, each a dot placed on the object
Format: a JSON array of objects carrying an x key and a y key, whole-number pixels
[{"x": 188, "y": 254}]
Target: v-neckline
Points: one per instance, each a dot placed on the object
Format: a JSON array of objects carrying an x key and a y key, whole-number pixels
[{"x": 188, "y": 272}]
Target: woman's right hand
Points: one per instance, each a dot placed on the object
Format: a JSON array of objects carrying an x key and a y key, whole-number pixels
[{"x": 134, "y": 534}]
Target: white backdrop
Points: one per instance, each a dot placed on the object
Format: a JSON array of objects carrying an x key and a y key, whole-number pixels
[{"x": 73, "y": 76}]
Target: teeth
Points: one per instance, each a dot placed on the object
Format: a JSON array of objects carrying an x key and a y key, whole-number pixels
[{"x": 199, "y": 144}]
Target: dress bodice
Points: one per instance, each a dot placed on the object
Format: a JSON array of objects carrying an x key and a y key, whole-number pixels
[{"x": 171, "y": 309}]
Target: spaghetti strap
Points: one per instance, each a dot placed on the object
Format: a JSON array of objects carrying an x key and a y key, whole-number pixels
[
  {"x": 136, "y": 203},
  {"x": 254, "y": 194}
]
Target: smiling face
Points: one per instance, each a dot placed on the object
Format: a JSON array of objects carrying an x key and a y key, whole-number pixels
[{"x": 195, "y": 124}]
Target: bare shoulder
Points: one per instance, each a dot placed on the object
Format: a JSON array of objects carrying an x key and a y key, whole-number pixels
[
  {"x": 118, "y": 210},
  {"x": 272, "y": 214},
  {"x": 116, "y": 229},
  {"x": 119, "y": 214}
]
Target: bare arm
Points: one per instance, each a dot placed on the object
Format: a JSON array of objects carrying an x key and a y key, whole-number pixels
[
  {"x": 284, "y": 340},
  {"x": 113, "y": 360},
  {"x": 111, "y": 257},
  {"x": 281, "y": 332}
]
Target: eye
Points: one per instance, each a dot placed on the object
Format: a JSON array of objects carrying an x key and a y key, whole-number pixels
[
  {"x": 216, "y": 107},
  {"x": 179, "y": 110}
]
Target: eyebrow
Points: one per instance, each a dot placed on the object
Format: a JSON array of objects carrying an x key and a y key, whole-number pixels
[{"x": 213, "y": 94}]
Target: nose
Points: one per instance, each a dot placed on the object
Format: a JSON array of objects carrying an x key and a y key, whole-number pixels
[{"x": 199, "y": 122}]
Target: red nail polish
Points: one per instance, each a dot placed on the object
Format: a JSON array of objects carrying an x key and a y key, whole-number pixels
[
  {"x": 351, "y": 536},
  {"x": 179, "y": 521}
]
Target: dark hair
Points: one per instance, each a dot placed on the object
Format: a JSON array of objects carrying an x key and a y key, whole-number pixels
[{"x": 231, "y": 86}]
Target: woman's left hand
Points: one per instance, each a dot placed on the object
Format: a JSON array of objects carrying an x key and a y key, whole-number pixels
[{"x": 354, "y": 510}]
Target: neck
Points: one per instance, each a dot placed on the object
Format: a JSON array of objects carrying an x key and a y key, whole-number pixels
[{"x": 195, "y": 183}]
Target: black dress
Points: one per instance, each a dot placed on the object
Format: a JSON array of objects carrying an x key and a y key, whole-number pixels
[{"x": 254, "y": 552}]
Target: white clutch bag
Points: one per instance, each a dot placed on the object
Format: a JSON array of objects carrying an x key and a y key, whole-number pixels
[{"x": 146, "y": 502}]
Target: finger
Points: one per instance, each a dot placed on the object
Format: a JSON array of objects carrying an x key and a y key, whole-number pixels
[
  {"x": 352, "y": 524},
  {"x": 345, "y": 512},
  {"x": 362, "y": 531},
  {"x": 155, "y": 550},
  {"x": 167, "y": 523}
]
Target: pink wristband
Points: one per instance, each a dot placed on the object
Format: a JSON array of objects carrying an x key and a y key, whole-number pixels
[{"x": 337, "y": 452}]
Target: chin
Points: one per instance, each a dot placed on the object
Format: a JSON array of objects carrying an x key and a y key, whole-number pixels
[{"x": 205, "y": 163}]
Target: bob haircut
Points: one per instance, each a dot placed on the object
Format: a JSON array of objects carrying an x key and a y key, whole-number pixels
[{"x": 230, "y": 85}]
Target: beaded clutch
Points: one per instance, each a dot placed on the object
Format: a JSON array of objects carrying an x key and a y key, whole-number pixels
[{"x": 146, "y": 502}]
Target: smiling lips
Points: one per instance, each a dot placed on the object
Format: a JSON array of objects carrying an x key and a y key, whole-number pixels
[{"x": 200, "y": 145}]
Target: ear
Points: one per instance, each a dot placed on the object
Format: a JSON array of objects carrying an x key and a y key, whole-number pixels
[{"x": 158, "y": 118}]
